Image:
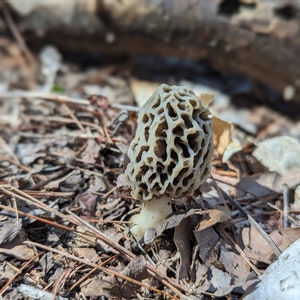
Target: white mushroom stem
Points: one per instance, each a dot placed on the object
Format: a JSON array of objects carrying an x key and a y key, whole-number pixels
[{"x": 152, "y": 214}]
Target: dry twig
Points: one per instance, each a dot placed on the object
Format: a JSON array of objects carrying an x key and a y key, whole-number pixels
[{"x": 100, "y": 267}]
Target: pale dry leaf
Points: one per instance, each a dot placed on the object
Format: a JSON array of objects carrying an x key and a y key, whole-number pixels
[
  {"x": 231, "y": 149},
  {"x": 169, "y": 223},
  {"x": 91, "y": 151},
  {"x": 87, "y": 253},
  {"x": 9, "y": 229},
  {"x": 87, "y": 202},
  {"x": 222, "y": 134},
  {"x": 71, "y": 182},
  {"x": 203, "y": 283},
  {"x": 47, "y": 262},
  {"x": 82, "y": 239},
  {"x": 142, "y": 90},
  {"x": 207, "y": 241},
  {"x": 207, "y": 98},
  {"x": 221, "y": 282},
  {"x": 66, "y": 183},
  {"x": 265, "y": 184},
  {"x": 136, "y": 269},
  {"x": 224, "y": 144},
  {"x": 22, "y": 252},
  {"x": 182, "y": 236},
  {"x": 284, "y": 237},
  {"x": 114, "y": 235},
  {"x": 241, "y": 118},
  {"x": 30, "y": 152},
  {"x": 165, "y": 261},
  {"x": 108, "y": 207},
  {"x": 6, "y": 271},
  {"x": 97, "y": 286},
  {"x": 234, "y": 264},
  {"x": 121, "y": 181},
  {"x": 256, "y": 247},
  {"x": 6, "y": 149},
  {"x": 223, "y": 140},
  {"x": 211, "y": 217},
  {"x": 30, "y": 292}
]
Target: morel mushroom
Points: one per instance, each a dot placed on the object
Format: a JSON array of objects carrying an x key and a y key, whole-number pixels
[{"x": 170, "y": 154}]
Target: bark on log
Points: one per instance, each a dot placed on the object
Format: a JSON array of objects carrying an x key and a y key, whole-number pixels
[{"x": 256, "y": 38}]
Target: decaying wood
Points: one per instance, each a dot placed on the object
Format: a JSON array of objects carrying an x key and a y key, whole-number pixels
[{"x": 256, "y": 38}]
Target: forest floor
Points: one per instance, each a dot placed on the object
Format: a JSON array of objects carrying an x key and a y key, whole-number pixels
[{"x": 66, "y": 122}]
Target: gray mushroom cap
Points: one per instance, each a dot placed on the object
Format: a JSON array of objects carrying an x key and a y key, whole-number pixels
[{"x": 172, "y": 150}]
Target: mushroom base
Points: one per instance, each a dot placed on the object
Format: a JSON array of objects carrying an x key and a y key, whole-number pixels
[{"x": 152, "y": 214}]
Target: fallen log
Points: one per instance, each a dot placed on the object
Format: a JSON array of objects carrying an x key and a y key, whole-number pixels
[{"x": 256, "y": 38}]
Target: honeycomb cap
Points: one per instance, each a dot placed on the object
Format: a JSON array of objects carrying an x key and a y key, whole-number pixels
[{"x": 172, "y": 150}]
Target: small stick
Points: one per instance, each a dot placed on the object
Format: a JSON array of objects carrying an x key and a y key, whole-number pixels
[
  {"x": 19, "y": 271},
  {"x": 101, "y": 267},
  {"x": 63, "y": 99},
  {"x": 286, "y": 205},
  {"x": 172, "y": 284},
  {"x": 240, "y": 251},
  {"x": 281, "y": 212},
  {"x": 15, "y": 32},
  {"x": 73, "y": 117},
  {"x": 83, "y": 278},
  {"x": 253, "y": 223}
]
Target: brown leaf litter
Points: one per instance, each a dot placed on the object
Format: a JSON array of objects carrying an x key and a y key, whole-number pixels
[{"x": 64, "y": 226}]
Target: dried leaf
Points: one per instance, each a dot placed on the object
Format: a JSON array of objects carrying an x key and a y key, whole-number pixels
[
  {"x": 222, "y": 130},
  {"x": 207, "y": 98},
  {"x": 91, "y": 151},
  {"x": 258, "y": 249},
  {"x": 87, "y": 202},
  {"x": 223, "y": 140},
  {"x": 28, "y": 153},
  {"x": 97, "y": 287},
  {"x": 137, "y": 270},
  {"x": 169, "y": 223},
  {"x": 182, "y": 237},
  {"x": 281, "y": 279},
  {"x": 114, "y": 235},
  {"x": 211, "y": 217},
  {"x": 30, "y": 292},
  {"x": 142, "y": 90},
  {"x": 84, "y": 240},
  {"x": 121, "y": 181},
  {"x": 221, "y": 282},
  {"x": 207, "y": 241},
  {"x": 200, "y": 222},
  {"x": 47, "y": 262},
  {"x": 21, "y": 252},
  {"x": 9, "y": 229},
  {"x": 265, "y": 184},
  {"x": 16, "y": 249},
  {"x": 68, "y": 183},
  {"x": 71, "y": 182},
  {"x": 87, "y": 253},
  {"x": 234, "y": 264}
]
